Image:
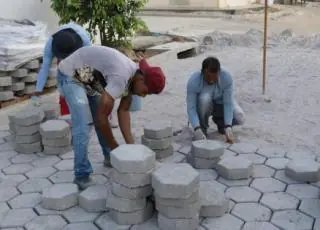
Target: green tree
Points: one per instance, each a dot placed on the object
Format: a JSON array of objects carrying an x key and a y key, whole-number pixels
[{"x": 115, "y": 20}]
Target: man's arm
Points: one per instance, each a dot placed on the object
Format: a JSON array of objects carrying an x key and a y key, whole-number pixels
[
  {"x": 105, "y": 107},
  {"x": 124, "y": 118},
  {"x": 228, "y": 100},
  {"x": 46, "y": 64}
]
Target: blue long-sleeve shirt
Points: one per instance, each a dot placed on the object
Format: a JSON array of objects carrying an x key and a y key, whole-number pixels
[
  {"x": 48, "y": 56},
  {"x": 222, "y": 93}
]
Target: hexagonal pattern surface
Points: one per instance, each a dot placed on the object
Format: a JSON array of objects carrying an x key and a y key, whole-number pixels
[
  {"x": 251, "y": 212},
  {"x": 303, "y": 170},
  {"x": 207, "y": 149},
  {"x": 243, "y": 194},
  {"x": 93, "y": 199},
  {"x": 259, "y": 226},
  {"x": 291, "y": 219},
  {"x": 243, "y": 148},
  {"x": 46, "y": 222},
  {"x": 268, "y": 185},
  {"x": 310, "y": 207},
  {"x": 277, "y": 163},
  {"x": 27, "y": 200},
  {"x": 17, "y": 218},
  {"x": 133, "y": 159},
  {"x": 272, "y": 152},
  {"x": 54, "y": 129},
  {"x": 303, "y": 191},
  {"x": 227, "y": 222},
  {"x": 279, "y": 201},
  {"x": 234, "y": 168},
  {"x": 175, "y": 180}
]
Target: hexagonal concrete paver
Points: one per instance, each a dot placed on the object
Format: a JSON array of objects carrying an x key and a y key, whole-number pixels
[
  {"x": 158, "y": 129},
  {"x": 104, "y": 222},
  {"x": 303, "y": 191},
  {"x": 243, "y": 194},
  {"x": 17, "y": 218},
  {"x": 291, "y": 219},
  {"x": 259, "y": 226},
  {"x": 93, "y": 199},
  {"x": 243, "y": 148},
  {"x": 4, "y": 208},
  {"x": 17, "y": 169},
  {"x": 254, "y": 158},
  {"x": 11, "y": 180},
  {"x": 64, "y": 165},
  {"x": 231, "y": 183},
  {"x": 251, "y": 212},
  {"x": 277, "y": 163},
  {"x": 42, "y": 172},
  {"x": 62, "y": 177},
  {"x": 268, "y": 185},
  {"x": 305, "y": 170},
  {"x": 133, "y": 159},
  {"x": 7, "y": 193},
  {"x": 175, "y": 180},
  {"x": 261, "y": 171},
  {"x": 46, "y": 161},
  {"x": 4, "y": 163},
  {"x": 54, "y": 129},
  {"x": 280, "y": 175},
  {"x": 272, "y": 152},
  {"x": 46, "y": 222},
  {"x": 207, "y": 174},
  {"x": 234, "y": 168},
  {"x": 279, "y": 201},
  {"x": 77, "y": 214},
  {"x": 24, "y": 158},
  {"x": 80, "y": 226},
  {"x": 34, "y": 185},
  {"x": 207, "y": 149},
  {"x": 310, "y": 207},
  {"x": 28, "y": 200},
  {"x": 298, "y": 155},
  {"x": 226, "y": 222}
]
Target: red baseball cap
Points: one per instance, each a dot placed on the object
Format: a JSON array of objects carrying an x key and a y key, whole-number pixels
[{"x": 154, "y": 77}]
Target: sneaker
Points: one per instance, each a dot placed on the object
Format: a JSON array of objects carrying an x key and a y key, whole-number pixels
[
  {"x": 107, "y": 162},
  {"x": 83, "y": 182}
]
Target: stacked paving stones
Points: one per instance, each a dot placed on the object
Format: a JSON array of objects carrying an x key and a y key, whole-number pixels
[
  {"x": 305, "y": 170},
  {"x": 6, "y": 92},
  {"x": 131, "y": 184},
  {"x": 56, "y": 137},
  {"x": 176, "y": 192},
  {"x": 235, "y": 168},
  {"x": 205, "y": 154},
  {"x": 31, "y": 78},
  {"x": 25, "y": 126},
  {"x": 158, "y": 137},
  {"x": 51, "y": 110},
  {"x": 52, "y": 80}
]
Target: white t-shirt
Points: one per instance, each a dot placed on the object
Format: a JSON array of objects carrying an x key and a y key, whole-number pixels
[{"x": 116, "y": 67}]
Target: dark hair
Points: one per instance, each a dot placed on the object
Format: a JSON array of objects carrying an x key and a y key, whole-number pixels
[{"x": 211, "y": 64}]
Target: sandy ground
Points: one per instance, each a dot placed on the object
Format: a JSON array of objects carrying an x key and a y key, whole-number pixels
[{"x": 292, "y": 117}]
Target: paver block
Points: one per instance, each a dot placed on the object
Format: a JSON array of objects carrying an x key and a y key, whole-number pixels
[
  {"x": 24, "y": 130},
  {"x": 151, "y": 224},
  {"x": 80, "y": 226},
  {"x": 207, "y": 174},
  {"x": 158, "y": 129},
  {"x": 31, "y": 78},
  {"x": 251, "y": 212},
  {"x": 277, "y": 163},
  {"x": 27, "y": 139},
  {"x": 291, "y": 219},
  {"x": 124, "y": 205},
  {"x": 17, "y": 86},
  {"x": 243, "y": 148},
  {"x": 17, "y": 169},
  {"x": 279, "y": 201},
  {"x": 213, "y": 201},
  {"x": 268, "y": 185},
  {"x": 60, "y": 197},
  {"x": 131, "y": 158},
  {"x": 136, "y": 217},
  {"x": 20, "y": 73},
  {"x": 58, "y": 142},
  {"x": 303, "y": 170},
  {"x": 65, "y": 165},
  {"x": 163, "y": 143},
  {"x": 17, "y": 218},
  {"x": 35, "y": 147},
  {"x": 178, "y": 202},
  {"x": 131, "y": 193},
  {"x": 34, "y": 185},
  {"x": 310, "y": 207},
  {"x": 105, "y": 222},
  {"x": 11, "y": 180},
  {"x": 303, "y": 191},
  {"x": 62, "y": 177},
  {"x": 175, "y": 180},
  {"x": 42, "y": 172},
  {"x": 34, "y": 64},
  {"x": 202, "y": 163},
  {"x": 298, "y": 155},
  {"x": 178, "y": 224},
  {"x": 243, "y": 194},
  {"x": 207, "y": 149},
  {"x": 6, "y": 95},
  {"x": 26, "y": 117},
  {"x": 54, "y": 129},
  {"x": 46, "y": 222},
  {"x": 253, "y": 157},
  {"x": 77, "y": 214},
  {"x": 93, "y": 199},
  {"x": 172, "y": 212},
  {"x": 175, "y": 158},
  {"x": 316, "y": 225},
  {"x": 5, "y": 81},
  {"x": 259, "y": 226},
  {"x": 51, "y": 110},
  {"x": 227, "y": 222},
  {"x": 272, "y": 152},
  {"x": 49, "y": 150},
  {"x": 4, "y": 208},
  {"x": 262, "y": 171},
  {"x": 234, "y": 168},
  {"x": 280, "y": 175},
  {"x": 7, "y": 193},
  {"x": 163, "y": 153}
]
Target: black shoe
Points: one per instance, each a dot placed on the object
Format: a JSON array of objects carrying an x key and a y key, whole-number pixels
[{"x": 83, "y": 182}]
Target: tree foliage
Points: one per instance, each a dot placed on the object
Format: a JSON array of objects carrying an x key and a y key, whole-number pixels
[{"x": 114, "y": 20}]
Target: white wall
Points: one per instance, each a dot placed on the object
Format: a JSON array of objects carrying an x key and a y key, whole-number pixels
[{"x": 29, "y": 9}]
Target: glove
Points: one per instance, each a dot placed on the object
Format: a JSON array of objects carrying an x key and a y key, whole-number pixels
[
  {"x": 229, "y": 135},
  {"x": 35, "y": 101},
  {"x": 199, "y": 135}
]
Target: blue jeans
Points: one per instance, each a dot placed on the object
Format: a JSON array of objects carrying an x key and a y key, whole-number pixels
[{"x": 83, "y": 111}]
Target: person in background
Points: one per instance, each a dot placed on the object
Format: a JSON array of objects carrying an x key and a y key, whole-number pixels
[
  {"x": 210, "y": 92},
  {"x": 100, "y": 75}
]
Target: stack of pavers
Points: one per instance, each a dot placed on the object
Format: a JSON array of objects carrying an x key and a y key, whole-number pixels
[
  {"x": 31, "y": 79},
  {"x": 18, "y": 78},
  {"x": 205, "y": 154},
  {"x": 25, "y": 126},
  {"x": 51, "y": 110},
  {"x": 56, "y": 137},
  {"x": 52, "y": 80},
  {"x": 176, "y": 191},
  {"x": 6, "y": 93},
  {"x": 128, "y": 198},
  {"x": 158, "y": 137}
]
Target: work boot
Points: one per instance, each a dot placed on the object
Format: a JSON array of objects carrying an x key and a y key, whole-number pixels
[
  {"x": 83, "y": 182},
  {"x": 107, "y": 162}
]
